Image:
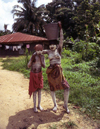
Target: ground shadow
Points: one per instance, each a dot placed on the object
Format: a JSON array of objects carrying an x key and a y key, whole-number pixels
[{"x": 25, "y": 118}]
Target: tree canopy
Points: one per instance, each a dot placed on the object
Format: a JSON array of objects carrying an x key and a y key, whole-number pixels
[
  {"x": 28, "y": 17},
  {"x": 74, "y": 15}
]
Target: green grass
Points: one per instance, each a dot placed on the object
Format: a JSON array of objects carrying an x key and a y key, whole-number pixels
[
  {"x": 52, "y": 127},
  {"x": 83, "y": 78}
]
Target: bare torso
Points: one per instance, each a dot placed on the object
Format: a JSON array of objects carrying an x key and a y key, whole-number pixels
[
  {"x": 37, "y": 64},
  {"x": 54, "y": 56}
]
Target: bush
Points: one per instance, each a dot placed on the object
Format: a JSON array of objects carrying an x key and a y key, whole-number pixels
[
  {"x": 88, "y": 50},
  {"x": 78, "y": 58},
  {"x": 79, "y": 46},
  {"x": 66, "y": 53},
  {"x": 98, "y": 61}
]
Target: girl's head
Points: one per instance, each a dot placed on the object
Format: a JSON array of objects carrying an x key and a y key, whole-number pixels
[
  {"x": 53, "y": 44},
  {"x": 38, "y": 48}
]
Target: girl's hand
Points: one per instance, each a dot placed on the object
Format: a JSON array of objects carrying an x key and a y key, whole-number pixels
[{"x": 39, "y": 52}]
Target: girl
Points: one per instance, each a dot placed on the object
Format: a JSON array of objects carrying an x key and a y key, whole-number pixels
[
  {"x": 56, "y": 79},
  {"x": 36, "y": 79}
]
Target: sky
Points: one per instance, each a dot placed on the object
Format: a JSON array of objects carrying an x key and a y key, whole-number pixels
[{"x": 6, "y": 17}]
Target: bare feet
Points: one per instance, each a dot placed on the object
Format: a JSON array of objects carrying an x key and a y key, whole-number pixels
[
  {"x": 55, "y": 109},
  {"x": 67, "y": 110},
  {"x": 35, "y": 110},
  {"x": 40, "y": 108}
]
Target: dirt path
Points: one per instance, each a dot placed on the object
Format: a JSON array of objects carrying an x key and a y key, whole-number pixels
[{"x": 16, "y": 108}]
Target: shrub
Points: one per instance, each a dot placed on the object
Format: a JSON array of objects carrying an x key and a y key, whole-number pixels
[
  {"x": 78, "y": 58},
  {"x": 88, "y": 50},
  {"x": 66, "y": 53},
  {"x": 79, "y": 46}
]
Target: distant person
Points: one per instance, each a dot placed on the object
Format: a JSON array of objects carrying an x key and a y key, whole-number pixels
[
  {"x": 56, "y": 78},
  {"x": 36, "y": 79}
]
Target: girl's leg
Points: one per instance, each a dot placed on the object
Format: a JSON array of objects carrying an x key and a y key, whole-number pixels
[
  {"x": 34, "y": 101},
  {"x": 39, "y": 100},
  {"x": 66, "y": 97},
  {"x": 54, "y": 100}
]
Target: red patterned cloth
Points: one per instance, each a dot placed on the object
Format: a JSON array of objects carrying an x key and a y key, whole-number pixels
[
  {"x": 56, "y": 78},
  {"x": 36, "y": 82}
]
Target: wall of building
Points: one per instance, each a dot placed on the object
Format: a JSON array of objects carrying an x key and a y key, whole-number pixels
[{"x": 13, "y": 50}]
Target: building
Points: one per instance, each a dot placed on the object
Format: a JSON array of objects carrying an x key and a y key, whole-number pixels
[{"x": 16, "y": 43}]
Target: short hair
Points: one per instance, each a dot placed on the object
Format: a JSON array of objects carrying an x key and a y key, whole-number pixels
[
  {"x": 55, "y": 42},
  {"x": 38, "y": 47}
]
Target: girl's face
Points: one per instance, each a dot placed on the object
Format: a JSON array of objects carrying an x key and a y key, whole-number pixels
[
  {"x": 52, "y": 47},
  {"x": 38, "y": 48},
  {"x": 39, "y": 52}
]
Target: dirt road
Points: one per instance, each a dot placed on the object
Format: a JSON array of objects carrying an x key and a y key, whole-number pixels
[{"x": 16, "y": 108}]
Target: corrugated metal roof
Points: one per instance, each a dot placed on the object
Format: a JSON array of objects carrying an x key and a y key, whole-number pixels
[{"x": 19, "y": 37}]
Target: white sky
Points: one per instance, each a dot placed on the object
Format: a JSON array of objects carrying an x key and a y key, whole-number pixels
[{"x": 6, "y": 17}]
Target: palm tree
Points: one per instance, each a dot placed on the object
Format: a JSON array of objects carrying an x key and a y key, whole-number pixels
[{"x": 29, "y": 17}]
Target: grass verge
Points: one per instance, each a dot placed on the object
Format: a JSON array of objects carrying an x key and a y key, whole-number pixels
[{"x": 84, "y": 84}]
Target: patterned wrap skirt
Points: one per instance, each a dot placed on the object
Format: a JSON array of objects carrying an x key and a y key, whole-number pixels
[
  {"x": 56, "y": 78},
  {"x": 36, "y": 82}
]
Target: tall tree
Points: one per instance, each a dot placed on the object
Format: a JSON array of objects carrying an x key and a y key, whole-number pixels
[
  {"x": 61, "y": 10},
  {"x": 86, "y": 14},
  {"x": 28, "y": 17}
]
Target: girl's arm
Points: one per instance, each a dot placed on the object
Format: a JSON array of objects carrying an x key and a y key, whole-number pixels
[
  {"x": 29, "y": 63},
  {"x": 45, "y": 51},
  {"x": 61, "y": 38},
  {"x": 32, "y": 59}
]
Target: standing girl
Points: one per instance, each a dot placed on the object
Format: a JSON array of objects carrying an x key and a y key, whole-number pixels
[
  {"x": 36, "y": 79},
  {"x": 54, "y": 72}
]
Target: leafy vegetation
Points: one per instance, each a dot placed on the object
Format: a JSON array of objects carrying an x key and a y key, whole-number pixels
[
  {"x": 74, "y": 15},
  {"x": 83, "y": 77},
  {"x": 28, "y": 17}
]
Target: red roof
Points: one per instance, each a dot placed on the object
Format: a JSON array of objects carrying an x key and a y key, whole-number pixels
[{"x": 19, "y": 37}]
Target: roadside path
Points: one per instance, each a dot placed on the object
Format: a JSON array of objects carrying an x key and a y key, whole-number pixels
[{"x": 16, "y": 108}]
